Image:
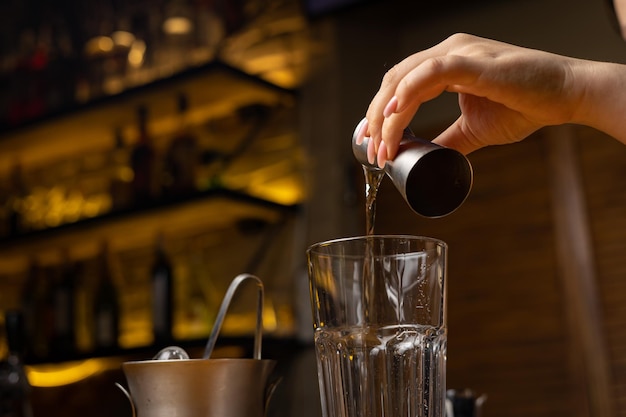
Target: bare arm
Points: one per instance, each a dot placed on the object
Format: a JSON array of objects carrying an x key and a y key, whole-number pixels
[{"x": 505, "y": 93}]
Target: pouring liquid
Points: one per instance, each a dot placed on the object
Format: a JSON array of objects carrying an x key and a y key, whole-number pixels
[{"x": 373, "y": 178}]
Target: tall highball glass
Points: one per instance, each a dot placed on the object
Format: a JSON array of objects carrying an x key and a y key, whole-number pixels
[{"x": 379, "y": 312}]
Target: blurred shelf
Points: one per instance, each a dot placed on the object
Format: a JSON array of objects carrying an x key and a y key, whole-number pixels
[
  {"x": 215, "y": 209},
  {"x": 213, "y": 90}
]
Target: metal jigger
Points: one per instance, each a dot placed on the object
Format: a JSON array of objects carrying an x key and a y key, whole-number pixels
[{"x": 433, "y": 180}]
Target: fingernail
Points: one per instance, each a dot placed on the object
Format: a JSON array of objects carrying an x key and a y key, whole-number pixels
[
  {"x": 391, "y": 107},
  {"x": 371, "y": 152},
  {"x": 360, "y": 136},
  {"x": 382, "y": 155}
]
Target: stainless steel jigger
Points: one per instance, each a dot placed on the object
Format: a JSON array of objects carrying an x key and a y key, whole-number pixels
[{"x": 433, "y": 180}]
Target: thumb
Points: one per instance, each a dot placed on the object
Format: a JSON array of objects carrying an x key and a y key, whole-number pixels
[{"x": 454, "y": 137}]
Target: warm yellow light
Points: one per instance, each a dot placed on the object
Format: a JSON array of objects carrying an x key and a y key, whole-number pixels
[
  {"x": 64, "y": 374},
  {"x": 126, "y": 174},
  {"x": 177, "y": 25},
  {"x": 96, "y": 205},
  {"x": 123, "y": 38},
  {"x": 267, "y": 62},
  {"x": 105, "y": 44},
  {"x": 283, "y": 77},
  {"x": 99, "y": 45},
  {"x": 276, "y": 179},
  {"x": 270, "y": 322},
  {"x": 288, "y": 189},
  {"x": 136, "y": 53},
  {"x": 283, "y": 191},
  {"x": 53, "y": 218},
  {"x": 113, "y": 85},
  {"x": 72, "y": 206},
  {"x": 136, "y": 330}
]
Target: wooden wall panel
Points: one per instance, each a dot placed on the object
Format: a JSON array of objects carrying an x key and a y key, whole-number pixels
[
  {"x": 589, "y": 366},
  {"x": 603, "y": 162}
]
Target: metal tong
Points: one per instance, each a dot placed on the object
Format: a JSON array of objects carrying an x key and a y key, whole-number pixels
[{"x": 232, "y": 289}]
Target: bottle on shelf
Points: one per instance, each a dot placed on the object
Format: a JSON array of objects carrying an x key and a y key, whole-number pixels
[
  {"x": 144, "y": 163},
  {"x": 64, "y": 309},
  {"x": 106, "y": 312},
  {"x": 121, "y": 174},
  {"x": 83, "y": 303},
  {"x": 17, "y": 194},
  {"x": 199, "y": 308},
  {"x": 15, "y": 390},
  {"x": 181, "y": 159},
  {"x": 28, "y": 86},
  {"x": 30, "y": 305},
  {"x": 6, "y": 200},
  {"x": 162, "y": 282},
  {"x": 36, "y": 311},
  {"x": 64, "y": 62}
]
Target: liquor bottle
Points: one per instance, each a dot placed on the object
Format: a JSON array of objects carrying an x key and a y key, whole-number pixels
[
  {"x": 106, "y": 304},
  {"x": 17, "y": 194},
  {"x": 181, "y": 159},
  {"x": 162, "y": 294},
  {"x": 143, "y": 162},
  {"x": 121, "y": 174},
  {"x": 83, "y": 303},
  {"x": 30, "y": 302},
  {"x": 36, "y": 311},
  {"x": 6, "y": 200},
  {"x": 64, "y": 66},
  {"x": 28, "y": 83},
  {"x": 15, "y": 390},
  {"x": 63, "y": 301},
  {"x": 46, "y": 320}
]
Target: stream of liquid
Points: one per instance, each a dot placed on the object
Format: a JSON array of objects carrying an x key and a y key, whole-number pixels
[{"x": 373, "y": 178}]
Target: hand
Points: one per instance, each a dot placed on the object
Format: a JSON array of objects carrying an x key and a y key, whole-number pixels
[{"x": 505, "y": 93}]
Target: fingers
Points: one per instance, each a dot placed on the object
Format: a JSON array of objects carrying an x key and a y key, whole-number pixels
[
  {"x": 382, "y": 114},
  {"x": 382, "y": 155},
  {"x": 361, "y": 129},
  {"x": 424, "y": 82},
  {"x": 391, "y": 107}
]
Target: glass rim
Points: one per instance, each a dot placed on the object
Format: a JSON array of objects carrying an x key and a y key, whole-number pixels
[{"x": 315, "y": 246}]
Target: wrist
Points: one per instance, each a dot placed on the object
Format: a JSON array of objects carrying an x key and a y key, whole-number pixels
[{"x": 602, "y": 101}]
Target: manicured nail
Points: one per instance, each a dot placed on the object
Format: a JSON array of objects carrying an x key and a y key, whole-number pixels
[
  {"x": 360, "y": 136},
  {"x": 382, "y": 155},
  {"x": 391, "y": 107},
  {"x": 371, "y": 152}
]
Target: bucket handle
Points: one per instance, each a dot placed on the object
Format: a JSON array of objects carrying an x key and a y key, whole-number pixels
[
  {"x": 130, "y": 399},
  {"x": 234, "y": 285}
]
